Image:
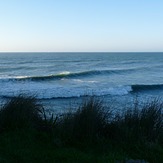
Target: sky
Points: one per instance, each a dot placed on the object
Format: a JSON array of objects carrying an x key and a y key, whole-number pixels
[{"x": 81, "y": 25}]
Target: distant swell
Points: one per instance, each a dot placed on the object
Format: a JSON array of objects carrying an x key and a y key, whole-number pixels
[
  {"x": 75, "y": 74},
  {"x": 138, "y": 88}
]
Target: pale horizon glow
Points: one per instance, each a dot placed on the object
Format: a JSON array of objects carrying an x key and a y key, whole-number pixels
[{"x": 81, "y": 26}]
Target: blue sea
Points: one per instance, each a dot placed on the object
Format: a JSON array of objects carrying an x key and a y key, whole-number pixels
[{"x": 60, "y": 80}]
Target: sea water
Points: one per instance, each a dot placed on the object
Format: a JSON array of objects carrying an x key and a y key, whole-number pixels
[{"x": 59, "y": 80}]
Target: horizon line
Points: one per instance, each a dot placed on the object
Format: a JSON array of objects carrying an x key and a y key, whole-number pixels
[{"x": 83, "y": 52}]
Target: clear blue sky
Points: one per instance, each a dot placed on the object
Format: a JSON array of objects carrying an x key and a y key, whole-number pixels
[{"x": 81, "y": 25}]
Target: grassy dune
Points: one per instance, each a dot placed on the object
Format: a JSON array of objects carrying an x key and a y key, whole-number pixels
[{"x": 91, "y": 134}]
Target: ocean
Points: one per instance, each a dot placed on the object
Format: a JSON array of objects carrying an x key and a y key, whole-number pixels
[{"x": 61, "y": 80}]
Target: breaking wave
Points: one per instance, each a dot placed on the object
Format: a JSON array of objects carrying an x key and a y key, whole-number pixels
[{"x": 70, "y": 75}]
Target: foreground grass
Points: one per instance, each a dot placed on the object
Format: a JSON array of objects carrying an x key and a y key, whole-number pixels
[
  {"x": 91, "y": 134},
  {"x": 30, "y": 146}
]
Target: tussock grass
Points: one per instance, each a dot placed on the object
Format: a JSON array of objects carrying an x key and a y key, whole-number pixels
[
  {"x": 21, "y": 112},
  {"x": 143, "y": 123},
  {"x": 151, "y": 120},
  {"x": 87, "y": 123},
  {"x": 90, "y": 122},
  {"x": 137, "y": 131}
]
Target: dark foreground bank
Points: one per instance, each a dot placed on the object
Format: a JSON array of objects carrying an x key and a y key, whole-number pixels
[{"x": 91, "y": 134}]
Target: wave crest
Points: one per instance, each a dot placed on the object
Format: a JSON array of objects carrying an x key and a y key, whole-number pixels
[{"x": 70, "y": 75}]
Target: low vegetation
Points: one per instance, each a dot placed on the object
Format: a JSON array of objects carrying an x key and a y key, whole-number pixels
[{"x": 90, "y": 134}]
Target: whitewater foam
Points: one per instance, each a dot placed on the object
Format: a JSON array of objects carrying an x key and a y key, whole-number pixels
[{"x": 50, "y": 91}]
